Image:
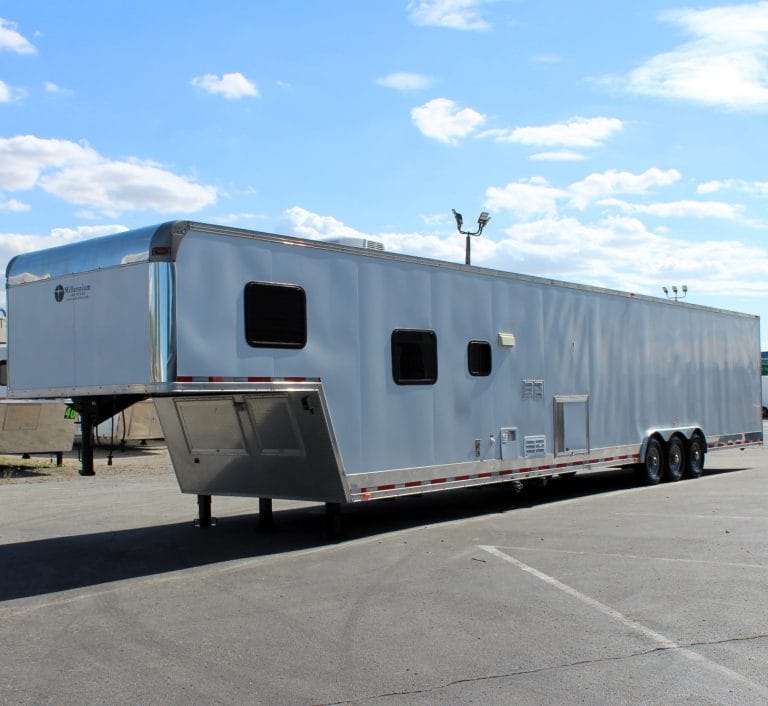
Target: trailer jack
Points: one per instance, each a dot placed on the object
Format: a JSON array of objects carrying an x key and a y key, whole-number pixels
[
  {"x": 334, "y": 528},
  {"x": 265, "y": 514},
  {"x": 204, "y": 519}
]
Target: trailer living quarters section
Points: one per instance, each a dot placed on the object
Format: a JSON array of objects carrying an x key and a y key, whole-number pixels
[{"x": 291, "y": 368}]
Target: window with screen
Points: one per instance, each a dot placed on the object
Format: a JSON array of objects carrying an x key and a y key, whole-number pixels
[
  {"x": 479, "y": 358},
  {"x": 414, "y": 357},
  {"x": 275, "y": 315}
]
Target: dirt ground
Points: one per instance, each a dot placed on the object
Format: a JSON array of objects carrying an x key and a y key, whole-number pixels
[{"x": 134, "y": 459}]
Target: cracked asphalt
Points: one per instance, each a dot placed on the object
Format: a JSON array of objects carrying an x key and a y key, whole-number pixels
[{"x": 588, "y": 591}]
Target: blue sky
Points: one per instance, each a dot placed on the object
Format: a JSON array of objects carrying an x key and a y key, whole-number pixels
[{"x": 615, "y": 144}]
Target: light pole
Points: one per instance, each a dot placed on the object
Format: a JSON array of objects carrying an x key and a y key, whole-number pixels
[
  {"x": 482, "y": 221},
  {"x": 675, "y": 294}
]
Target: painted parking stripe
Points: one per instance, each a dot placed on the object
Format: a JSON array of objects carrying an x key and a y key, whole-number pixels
[{"x": 661, "y": 641}]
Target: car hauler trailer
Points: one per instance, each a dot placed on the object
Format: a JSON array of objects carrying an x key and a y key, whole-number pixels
[{"x": 291, "y": 368}]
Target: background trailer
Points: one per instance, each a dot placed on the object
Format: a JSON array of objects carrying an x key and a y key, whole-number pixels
[{"x": 289, "y": 368}]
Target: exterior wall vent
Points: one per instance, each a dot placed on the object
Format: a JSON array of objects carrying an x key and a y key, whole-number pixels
[{"x": 535, "y": 446}]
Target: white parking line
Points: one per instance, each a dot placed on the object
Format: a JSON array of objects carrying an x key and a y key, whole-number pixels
[
  {"x": 686, "y": 516},
  {"x": 659, "y": 640},
  {"x": 639, "y": 557}
]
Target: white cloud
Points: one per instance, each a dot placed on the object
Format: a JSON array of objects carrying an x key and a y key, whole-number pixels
[
  {"x": 23, "y": 158},
  {"x": 621, "y": 253},
  {"x": 51, "y": 87},
  {"x": 11, "y": 40},
  {"x": 758, "y": 188},
  {"x": 443, "y": 120},
  {"x": 558, "y": 156},
  {"x": 238, "y": 219},
  {"x": 231, "y": 86},
  {"x": 79, "y": 175},
  {"x": 525, "y": 198},
  {"x": 725, "y": 63},
  {"x": 9, "y": 94},
  {"x": 536, "y": 196},
  {"x": 685, "y": 208},
  {"x": 546, "y": 59},
  {"x": 453, "y": 14},
  {"x": 597, "y": 186},
  {"x": 14, "y": 206},
  {"x": 405, "y": 81},
  {"x": 575, "y": 133},
  {"x": 115, "y": 187},
  {"x": 305, "y": 224},
  {"x": 70, "y": 235},
  {"x": 436, "y": 219}
]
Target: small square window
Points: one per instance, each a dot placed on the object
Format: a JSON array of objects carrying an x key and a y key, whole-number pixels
[
  {"x": 479, "y": 358},
  {"x": 275, "y": 315},
  {"x": 414, "y": 357}
]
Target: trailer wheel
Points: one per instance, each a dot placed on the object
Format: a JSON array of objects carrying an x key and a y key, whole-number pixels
[
  {"x": 694, "y": 462},
  {"x": 675, "y": 459},
  {"x": 651, "y": 469}
]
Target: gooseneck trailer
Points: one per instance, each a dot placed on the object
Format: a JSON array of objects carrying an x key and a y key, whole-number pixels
[{"x": 290, "y": 368}]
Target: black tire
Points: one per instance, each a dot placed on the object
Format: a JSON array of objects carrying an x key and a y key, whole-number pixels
[
  {"x": 694, "y": 459},
  {"x": 650, "y": 470},
  {"x": 674, "y": 463}
]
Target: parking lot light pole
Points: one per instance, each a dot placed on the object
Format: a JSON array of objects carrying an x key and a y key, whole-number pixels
[
  {"x": 675, "y": 294},
  {"x": 482, "y": 221}
]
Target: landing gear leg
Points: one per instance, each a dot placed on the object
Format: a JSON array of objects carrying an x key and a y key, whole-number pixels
[
  {"x": 265, "y": 514},
  {"x": 204, "y": 518},
  {"x": 333, "y": 524},
  {"x": 86, "y": 431}
]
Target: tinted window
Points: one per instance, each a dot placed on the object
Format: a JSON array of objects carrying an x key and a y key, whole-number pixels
[
  {"x": 414, "y": 357},
  {"x": 275, "y": 315},
  {"x": 479, "y": 358}
]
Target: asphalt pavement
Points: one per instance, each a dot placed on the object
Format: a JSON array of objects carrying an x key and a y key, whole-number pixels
[{"x": 588, "y": 591}]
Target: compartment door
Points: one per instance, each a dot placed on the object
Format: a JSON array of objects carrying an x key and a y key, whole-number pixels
[{"x": 571, "y": 425}]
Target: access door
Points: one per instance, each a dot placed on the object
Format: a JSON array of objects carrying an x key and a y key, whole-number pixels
[{"x": 571, "y": 425}]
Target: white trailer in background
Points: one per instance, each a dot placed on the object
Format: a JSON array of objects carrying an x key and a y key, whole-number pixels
[
  {"x": 138, "y": 423},
  {"x": 290, "y": 368}
]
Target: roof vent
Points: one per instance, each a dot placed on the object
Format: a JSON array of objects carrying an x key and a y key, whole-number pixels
[{"x": 354, "y": 242}]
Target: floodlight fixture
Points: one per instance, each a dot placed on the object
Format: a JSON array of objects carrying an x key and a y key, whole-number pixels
[
  {"x": 676, "y": 293},
  {"x": 482, "y": 221}
]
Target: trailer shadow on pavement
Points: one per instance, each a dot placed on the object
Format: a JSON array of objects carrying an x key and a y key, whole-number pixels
[{"x": 63, "y": 563}]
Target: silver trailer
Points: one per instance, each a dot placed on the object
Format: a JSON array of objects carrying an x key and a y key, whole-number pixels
[{"x": 291, "y": 368}]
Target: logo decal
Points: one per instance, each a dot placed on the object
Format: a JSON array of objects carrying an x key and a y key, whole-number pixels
[{"x": 71, "y": 292}]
